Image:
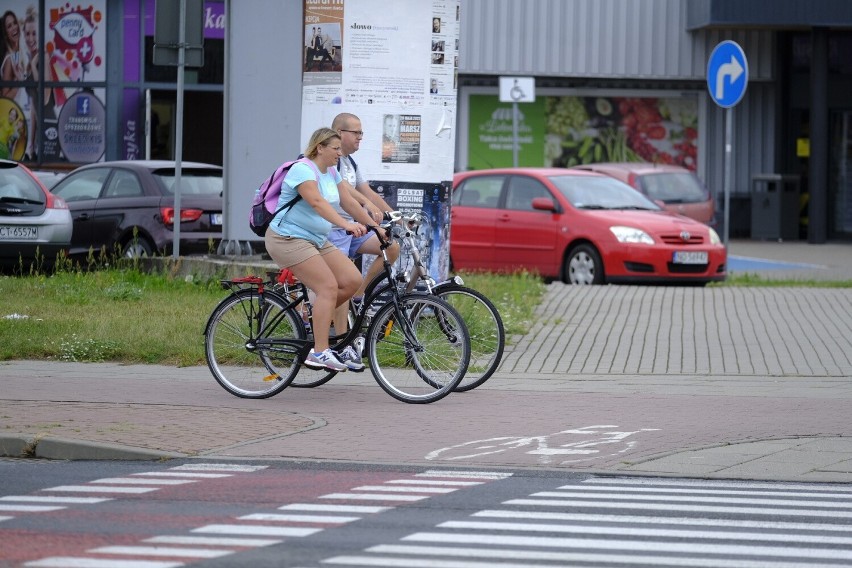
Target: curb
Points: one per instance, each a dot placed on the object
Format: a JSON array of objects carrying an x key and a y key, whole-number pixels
[{"x": 68, "y": 449}]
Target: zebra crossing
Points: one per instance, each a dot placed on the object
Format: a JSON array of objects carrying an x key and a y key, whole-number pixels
[
  {"x": 57, "y": 498},
  {"x": 253, "y": 530},
  {"x": 638, "y": 522}
]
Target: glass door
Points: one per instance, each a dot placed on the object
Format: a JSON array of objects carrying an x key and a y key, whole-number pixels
[{"x": 840, "y": 175}]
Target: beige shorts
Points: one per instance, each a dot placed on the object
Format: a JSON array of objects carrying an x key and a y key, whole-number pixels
[{"x": 287, "y": 252}]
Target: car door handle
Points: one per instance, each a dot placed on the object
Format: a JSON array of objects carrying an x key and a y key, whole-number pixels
[
  {"x": 83, "y": 217},
  {"x": 505, "y": 218}
]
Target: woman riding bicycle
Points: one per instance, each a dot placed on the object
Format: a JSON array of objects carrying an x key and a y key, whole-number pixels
[{"x": 297, "y": 238}]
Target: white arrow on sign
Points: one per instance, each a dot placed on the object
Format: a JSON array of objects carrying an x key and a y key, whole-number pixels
[{"x": 732, "y": 70}]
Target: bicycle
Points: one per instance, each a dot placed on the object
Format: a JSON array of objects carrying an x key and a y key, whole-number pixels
[
  {"x": 483, "y": 321},
  {"x": 255, "y": 339}
]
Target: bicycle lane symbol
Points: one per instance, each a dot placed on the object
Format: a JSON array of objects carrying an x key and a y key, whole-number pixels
[{"x": 568, "y": 446}]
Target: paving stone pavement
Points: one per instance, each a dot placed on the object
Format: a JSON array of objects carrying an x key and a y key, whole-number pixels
[{"x": 740, "y": 382}]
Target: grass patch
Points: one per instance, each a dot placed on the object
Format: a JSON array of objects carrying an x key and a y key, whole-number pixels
[
  {"x": 747, "y": 280},
  {"x": 111, "y": 315},
  {"x": 127, "y": 315},
  {"x": 515, "y": 295}
]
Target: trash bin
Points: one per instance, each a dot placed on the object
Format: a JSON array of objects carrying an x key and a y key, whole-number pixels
[{"x": 775, "y": 207}]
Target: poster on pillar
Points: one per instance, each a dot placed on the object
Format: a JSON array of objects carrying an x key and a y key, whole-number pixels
[{"x": 393, "y": 65}]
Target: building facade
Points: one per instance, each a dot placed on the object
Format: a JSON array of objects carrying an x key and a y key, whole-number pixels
[{"x": 613, "y": 79}]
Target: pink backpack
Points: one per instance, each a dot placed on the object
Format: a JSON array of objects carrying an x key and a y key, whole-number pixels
[{"x": 264, "y": 205}]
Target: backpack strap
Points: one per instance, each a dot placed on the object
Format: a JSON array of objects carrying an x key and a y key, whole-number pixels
[
  {"x": 351, "y": 159},
  {"x": 298, "y": 196}
]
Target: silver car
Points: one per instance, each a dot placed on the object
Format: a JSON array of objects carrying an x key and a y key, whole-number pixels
[{"x": 35, "y": 225}]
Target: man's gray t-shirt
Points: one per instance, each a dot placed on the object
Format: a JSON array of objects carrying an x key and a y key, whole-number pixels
[{"x": 354, "y": 177}]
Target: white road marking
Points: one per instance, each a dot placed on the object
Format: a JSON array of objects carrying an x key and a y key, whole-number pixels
[
  {"x": 464, "y": 474},
  {"x": 212, "y": 540},
  {"x": 693, "y": 548},
  {"x": 100, "y": 489},
  {"x": 334, "y": 508},
  {"x": 219, "y": 467},
  {"x": 637, "y": 531},
  {"x": 673, "y": 507},
  {"x": 646, "y": 520},
  {"x": 72, "y": 562},
  {"x": 258, "y": 530},
  {"x": 672, "y": 490},
  {"x": 693, "y": 499},
  {"x": 716, "y": 484},
  {"x": 298, "y": 518},
  {"x": 373, "y": 497},
  {"x": 188, "y": 474},
  {"x": 564, "y": 557},
  {"x": 29, "y": 508},
  {"x": 55, "y": 499},
  {"x": 395, "y": 489},
  {"x": 143, "y": 481},
  {"x": 162, "y": 551},
  {"x": 434, "y": 482}
]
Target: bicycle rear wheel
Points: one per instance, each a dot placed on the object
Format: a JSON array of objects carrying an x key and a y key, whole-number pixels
[
  {"x": 485, "y": 326},
  {"x": 421, "y": 354},
  {"x": 244, "y": 367}
]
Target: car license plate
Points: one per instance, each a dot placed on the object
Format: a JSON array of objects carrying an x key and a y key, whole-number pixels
[
  {"x": 215, "y": 218},
  {"x": 9, "y": 233},
  {"x": 690, "y": 257}
]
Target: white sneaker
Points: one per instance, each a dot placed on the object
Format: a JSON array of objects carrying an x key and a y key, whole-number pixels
[
  {"x": 324, "y": 360},
  {"x": 351, "y": 359}
]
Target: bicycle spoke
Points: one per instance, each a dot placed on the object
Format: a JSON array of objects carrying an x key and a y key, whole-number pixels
[
  {"x": 430, "y": 366},
  {"x": 237, "y": 362}
]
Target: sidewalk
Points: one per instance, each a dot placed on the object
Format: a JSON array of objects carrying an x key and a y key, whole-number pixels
[{"x": 750, "y": 383}]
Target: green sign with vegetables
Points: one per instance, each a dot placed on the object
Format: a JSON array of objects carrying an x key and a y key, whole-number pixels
[{"x": 569, "y": 131}]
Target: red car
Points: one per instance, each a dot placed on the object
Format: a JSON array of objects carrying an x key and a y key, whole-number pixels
[
  {"x": 677, "y": 188},
  {"x": 577, "y": 226}
]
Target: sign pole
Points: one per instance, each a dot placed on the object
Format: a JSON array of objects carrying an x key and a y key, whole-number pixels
[
  {"x": 179, "y": 125},
  {"x": 728, "y": 174},
  {"x": 515, "y": 142},
  {"x": 727, "y": 79}
]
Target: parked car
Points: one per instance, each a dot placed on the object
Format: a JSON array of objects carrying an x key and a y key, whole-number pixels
[
  {"x": 35, "y": 225},
  {"x": 49, "y": 178},
  {"x": 678, "y": 188},
  {"x": 127, "y": 207},
  {"x": 578, "y": 226}
]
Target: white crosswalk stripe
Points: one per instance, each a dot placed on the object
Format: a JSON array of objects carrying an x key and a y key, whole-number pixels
[
  {"x": 648, "y": 522},
  {"x": 295, "y": 520}
]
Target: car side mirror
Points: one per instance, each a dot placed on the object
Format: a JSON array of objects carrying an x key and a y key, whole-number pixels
[{"x": 543, "y": 204}]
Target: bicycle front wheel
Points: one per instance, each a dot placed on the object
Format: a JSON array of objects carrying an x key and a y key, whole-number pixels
[
  {"x": 485, "y": 326},
  {"x": 419, "y": 353},
  {"x": 244, "y": 364}
]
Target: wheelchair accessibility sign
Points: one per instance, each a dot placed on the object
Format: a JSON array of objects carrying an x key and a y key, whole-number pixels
[
  {"x": 517, "y": 89},
  {"x": 727, "y": 74}
]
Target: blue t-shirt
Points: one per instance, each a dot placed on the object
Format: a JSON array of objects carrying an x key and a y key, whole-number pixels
[{"x": 302, "y": 221}]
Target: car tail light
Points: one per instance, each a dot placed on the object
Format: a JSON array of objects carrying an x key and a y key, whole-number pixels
[
  {"x": 55, "y": 202},
  {"x": 186, "y": 215}
]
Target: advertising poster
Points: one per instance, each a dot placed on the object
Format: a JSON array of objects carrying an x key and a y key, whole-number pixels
[
  {"x": 392, "y": 64},
  {"x": 74, "y": 51},
  {"x": 401, "y": 139},
  {"x": 432, "y": 239},
  {"x": 568, "y": 131}
]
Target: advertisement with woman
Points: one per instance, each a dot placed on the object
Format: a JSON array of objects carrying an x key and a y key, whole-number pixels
[{"x": 74, "y": 52}]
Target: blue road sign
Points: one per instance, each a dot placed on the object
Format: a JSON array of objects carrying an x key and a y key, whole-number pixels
[{"x": 727, "y": 74}]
